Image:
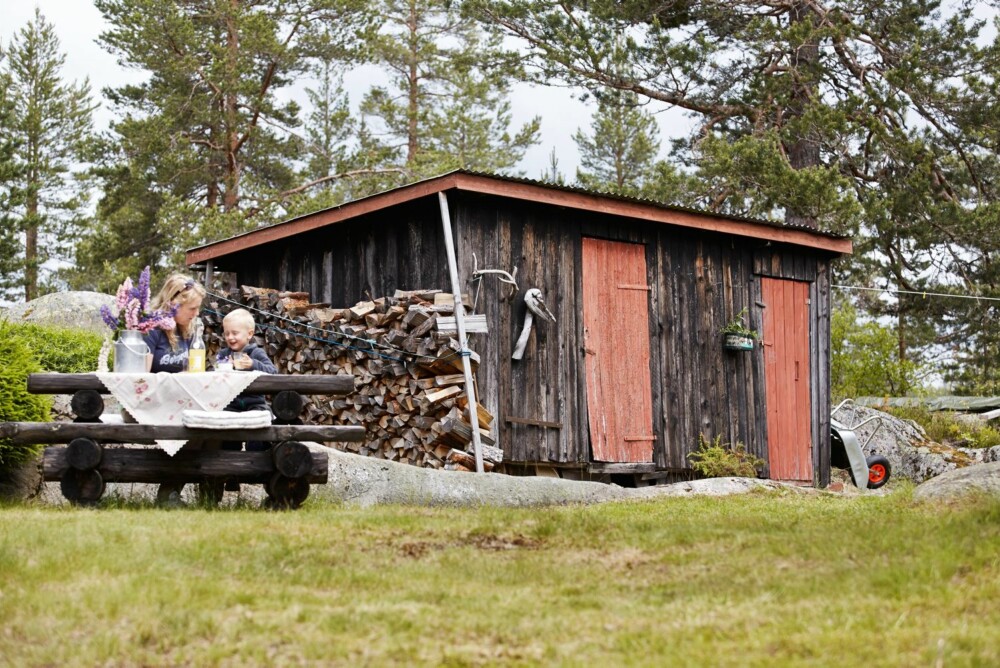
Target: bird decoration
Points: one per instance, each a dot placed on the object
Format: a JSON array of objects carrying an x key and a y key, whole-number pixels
[{"x": 536, "y": 306}]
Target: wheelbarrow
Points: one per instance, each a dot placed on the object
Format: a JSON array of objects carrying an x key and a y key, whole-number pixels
[{"x": 848, "y": 452}]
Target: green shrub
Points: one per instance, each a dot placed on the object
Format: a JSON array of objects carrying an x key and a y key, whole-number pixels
[
  {"x": 715, "y": 459},
  {"x": 865, "y": 359},
  {"x": 62, "y": 350},
  {"x": 945, "y": 427},
  {"x": 17, "y": 360}
]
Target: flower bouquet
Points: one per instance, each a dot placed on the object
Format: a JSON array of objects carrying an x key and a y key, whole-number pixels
[{"x": 130, "y": 311}]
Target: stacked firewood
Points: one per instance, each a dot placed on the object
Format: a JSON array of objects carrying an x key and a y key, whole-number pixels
[{"x": 409, "y": 384}]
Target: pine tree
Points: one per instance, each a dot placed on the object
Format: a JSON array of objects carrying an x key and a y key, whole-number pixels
[
  {"x": 620, "y": 153},
  {"x": 206, "y": 144},
  {"x": 552, "y": 174},
  {"x": 50, "y": 127},
  {"x": 446, "y": 105},
  {"x": 343, "y": 160},
  {"x": 9, "y": 173},
  {"x": 788, "y": 98},
  {"x": 867, "y": 118},
  {"x": 329, "y": 126}
]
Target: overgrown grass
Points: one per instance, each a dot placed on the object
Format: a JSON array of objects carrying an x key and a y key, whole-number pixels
[
  {"x": 744, "y": 581},
  {"x": 946, "y": 427}
]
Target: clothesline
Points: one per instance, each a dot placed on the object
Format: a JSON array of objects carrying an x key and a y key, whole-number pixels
[{"x": 918, "y": 293}]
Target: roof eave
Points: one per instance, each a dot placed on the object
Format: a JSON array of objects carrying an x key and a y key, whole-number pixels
[{"x": 487, "y": 185}]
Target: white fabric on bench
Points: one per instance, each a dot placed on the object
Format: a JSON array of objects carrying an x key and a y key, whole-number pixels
[{"x": 226, "y": 419}]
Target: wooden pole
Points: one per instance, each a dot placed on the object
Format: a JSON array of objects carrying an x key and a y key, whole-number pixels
[{"x": 456, "y": 288}]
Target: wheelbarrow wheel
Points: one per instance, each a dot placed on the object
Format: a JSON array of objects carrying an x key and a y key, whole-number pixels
[{"x": 878, "y": 471}]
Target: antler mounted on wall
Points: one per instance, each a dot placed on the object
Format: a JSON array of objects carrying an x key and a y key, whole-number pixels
[{"x": 505, "y": 277}]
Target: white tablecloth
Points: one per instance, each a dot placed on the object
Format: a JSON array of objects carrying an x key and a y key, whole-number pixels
[{"x": 161, "y": 398}]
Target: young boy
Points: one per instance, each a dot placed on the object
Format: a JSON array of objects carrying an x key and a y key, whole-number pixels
[{"x": 245, "y": 355}]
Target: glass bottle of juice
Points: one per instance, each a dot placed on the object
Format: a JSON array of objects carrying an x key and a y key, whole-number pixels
[{"x": 196, "y": 353}]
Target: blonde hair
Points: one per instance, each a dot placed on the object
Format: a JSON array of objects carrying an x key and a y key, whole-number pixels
[
  {"x": 178, "y": 289},
  {"x": 240, "y": 316}
]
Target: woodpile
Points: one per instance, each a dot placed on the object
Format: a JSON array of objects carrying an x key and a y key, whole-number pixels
[{"x": 410, "y": 390}]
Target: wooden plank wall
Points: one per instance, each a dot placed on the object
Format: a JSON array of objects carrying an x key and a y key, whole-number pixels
[
  {"x": 699, "y": 282},
  {"x": 704, "y": 281},
  {"x": 402, "y": 248},
  {"x": 546, "y": 385}
]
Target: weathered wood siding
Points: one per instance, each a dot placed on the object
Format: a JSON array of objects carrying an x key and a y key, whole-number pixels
[
  {"x": 547, "y": 385},
  {"x": 698, "y": 282},
  {"x": 372, "y": 256}
]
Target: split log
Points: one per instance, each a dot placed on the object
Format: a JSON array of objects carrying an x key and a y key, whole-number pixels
[
  {"x": 467, "y": 460},
  {"x": 407, "y": 370}
]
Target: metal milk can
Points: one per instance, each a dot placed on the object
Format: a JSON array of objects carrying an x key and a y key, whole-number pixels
[{"x": 130, "y": 352}]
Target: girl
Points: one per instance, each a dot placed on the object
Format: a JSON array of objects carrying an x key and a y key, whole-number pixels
[{"x": 169, "y": 347}]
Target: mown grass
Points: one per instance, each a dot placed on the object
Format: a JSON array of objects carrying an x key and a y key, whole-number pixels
[{"x": 752, "y": 580}]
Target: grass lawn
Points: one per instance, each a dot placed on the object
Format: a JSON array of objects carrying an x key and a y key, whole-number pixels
[{"x": 761, "y": 579}]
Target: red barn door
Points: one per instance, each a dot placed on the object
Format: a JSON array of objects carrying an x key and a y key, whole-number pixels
[
  {"x": 616, "y": 344},
  {"x": 786, "y": 379}
]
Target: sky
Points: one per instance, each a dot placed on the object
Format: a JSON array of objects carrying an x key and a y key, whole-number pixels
[{"x": 78, "y": 24}]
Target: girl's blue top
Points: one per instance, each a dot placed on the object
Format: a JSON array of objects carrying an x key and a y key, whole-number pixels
[{"x": 165, "y": 358}]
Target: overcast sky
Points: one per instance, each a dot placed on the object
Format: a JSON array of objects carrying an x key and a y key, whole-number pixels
[{"x": 78, "y": 23}]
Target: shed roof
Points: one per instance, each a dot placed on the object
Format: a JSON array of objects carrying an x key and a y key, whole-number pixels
[{"x": 533, "y": 191}]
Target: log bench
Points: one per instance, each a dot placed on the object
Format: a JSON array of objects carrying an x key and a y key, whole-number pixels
[{"x": 84, "y": 465}]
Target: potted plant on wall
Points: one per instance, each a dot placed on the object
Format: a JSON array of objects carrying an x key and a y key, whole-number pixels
[{"x": 736, "y": 335}]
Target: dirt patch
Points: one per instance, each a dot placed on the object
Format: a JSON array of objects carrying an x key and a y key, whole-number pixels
[
  {"x": 417, "y": 549},
  {"x": 494, "y": 543}
]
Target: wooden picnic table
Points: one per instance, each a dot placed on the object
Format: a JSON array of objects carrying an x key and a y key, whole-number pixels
[{"x": 84, "y": 465}]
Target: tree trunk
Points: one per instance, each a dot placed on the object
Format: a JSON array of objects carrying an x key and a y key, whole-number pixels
[
  {"x": 414, "y": 82},
  {"x": 231, "y": 181},
  {"x": 31, "y": 244},
  {"x": 803, "y": 151}
]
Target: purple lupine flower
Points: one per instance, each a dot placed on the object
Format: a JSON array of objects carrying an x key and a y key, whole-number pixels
[
  {"x": 144, "y": 288},
  {"x": 110, "y": 319},
  {"x": 157, "y": 319},
  {"x": 129, "y": 312}
]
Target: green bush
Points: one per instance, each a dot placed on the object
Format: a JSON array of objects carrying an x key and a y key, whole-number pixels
[
  {"x": 62, "y": 350},
  {"x": 944, "y": 427},
  {"x": 715, "y": 459},
  {"x": 17, "y": 360},
  {"x": 865, "y": 359}
]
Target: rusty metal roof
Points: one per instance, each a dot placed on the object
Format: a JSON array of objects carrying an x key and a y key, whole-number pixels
[{"x": 528, "y": 190}]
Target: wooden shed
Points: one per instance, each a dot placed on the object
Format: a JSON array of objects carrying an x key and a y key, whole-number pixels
[{"x": 633, "y": 369}]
